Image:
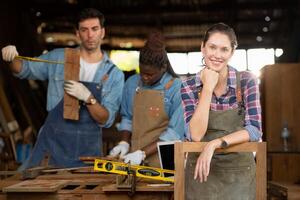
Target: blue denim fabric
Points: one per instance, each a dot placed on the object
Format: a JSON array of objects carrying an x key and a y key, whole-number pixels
[
  {"x": 54, "y": 73},
  {"x": 173, "y": 107}
]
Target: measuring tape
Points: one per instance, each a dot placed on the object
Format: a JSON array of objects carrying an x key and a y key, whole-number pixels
[
  {"x": 39, "y": 60},
  {"x": 139, "y": 171}
]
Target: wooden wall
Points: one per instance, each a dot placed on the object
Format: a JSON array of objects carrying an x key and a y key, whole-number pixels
[
  {"x": 21, "y": 100},
  {"x": 27, "y": 99},
  {"x": 280, "y": 90},
  {"x": 280, "y": 86}
]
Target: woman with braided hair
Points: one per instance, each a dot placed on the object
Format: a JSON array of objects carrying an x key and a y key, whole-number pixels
[{"x": 151, "y": 106}]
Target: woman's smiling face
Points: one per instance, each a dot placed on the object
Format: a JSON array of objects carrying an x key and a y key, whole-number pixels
[{"x": 217, "y": 51}]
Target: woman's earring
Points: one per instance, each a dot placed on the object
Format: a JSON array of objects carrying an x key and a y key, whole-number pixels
[{"x": 203, "y": 62}]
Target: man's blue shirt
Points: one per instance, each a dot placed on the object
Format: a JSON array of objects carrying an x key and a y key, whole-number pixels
[{"x": 54, "y": 73}]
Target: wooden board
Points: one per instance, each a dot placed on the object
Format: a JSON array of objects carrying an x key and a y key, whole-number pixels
[
  {"x": 145, "y": 187},
  {"x": 37, "y": 186},
  {"x": 282, "y": 190},
  {"x": 86, "y": 187},
  {"x": 284, "y": 167},
  {"x": 8, "y": 123},
  {"x": 71, "y": 72},
  {"x": 280, "y": 93}
]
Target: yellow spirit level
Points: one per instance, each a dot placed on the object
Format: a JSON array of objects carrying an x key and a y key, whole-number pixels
[{"x": 139, "y": 171}]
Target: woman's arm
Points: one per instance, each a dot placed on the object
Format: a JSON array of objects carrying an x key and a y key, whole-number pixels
[
  {"x": 252, "y": 123},
  {"x": 199, "y": 120}
]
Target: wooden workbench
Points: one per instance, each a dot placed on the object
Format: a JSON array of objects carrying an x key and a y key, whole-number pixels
[
  {"x": 283, "y": 190},
  {"x": 74, "y": 186}
]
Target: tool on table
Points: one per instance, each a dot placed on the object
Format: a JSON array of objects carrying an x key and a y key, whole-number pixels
[
  {"x": 39, "y": 60},
  {"x": 127, "y": 182},
  {"x": 34, "y": 172},
  {"x": 90, "y": 160},
  {"x": 139, "y": 171}
]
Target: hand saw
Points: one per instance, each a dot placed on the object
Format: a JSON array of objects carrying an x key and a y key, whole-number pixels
[{"x": 140, "y": 171}]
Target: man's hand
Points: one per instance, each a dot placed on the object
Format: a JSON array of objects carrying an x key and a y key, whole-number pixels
[
  {"x": 77, "y": 90},
  {"x": 120, "y": 150},
  {"x": 9, "y": 53},
  {"x": 135, "y": 158}
]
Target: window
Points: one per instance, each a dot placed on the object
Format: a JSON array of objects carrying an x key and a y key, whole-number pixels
[
  {"x": 191, "y": 62},
  {"x": 258, "y": 58},
  {"x": 239, "y": 60}
]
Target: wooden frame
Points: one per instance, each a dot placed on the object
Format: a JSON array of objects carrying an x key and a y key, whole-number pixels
[{"x": 261, "y": 164}]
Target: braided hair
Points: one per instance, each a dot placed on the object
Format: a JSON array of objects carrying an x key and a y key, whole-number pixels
[{"x": 154, "y": 53}]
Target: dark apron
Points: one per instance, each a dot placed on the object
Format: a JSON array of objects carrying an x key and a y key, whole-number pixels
[
  {"x": 149, "y": 120},
  {"x": 67, "y": 140},
  {"x": 232, "y": 175}
]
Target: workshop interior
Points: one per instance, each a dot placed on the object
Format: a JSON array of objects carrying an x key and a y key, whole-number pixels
[{"x": 41, "y": 38}]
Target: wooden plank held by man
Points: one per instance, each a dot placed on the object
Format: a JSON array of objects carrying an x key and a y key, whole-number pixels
[{"x": 72, "y": 67}]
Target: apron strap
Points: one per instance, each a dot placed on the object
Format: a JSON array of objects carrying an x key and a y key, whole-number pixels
[
  {"x": 169, "y": 84},
  {"x": 105, "y": 76},
  {"x": 238, "y": 93}
]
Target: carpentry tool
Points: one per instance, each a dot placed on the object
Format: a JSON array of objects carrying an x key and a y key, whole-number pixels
[
  {"x": 139, "y": 171},
  {"x": 127, "y": 183},
  {"x": 39, "y": 60}
]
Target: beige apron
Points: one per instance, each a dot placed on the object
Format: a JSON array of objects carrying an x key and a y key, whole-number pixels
[
  {"x": 232, "y": 175},
  {"x": 149, "y": 120}
]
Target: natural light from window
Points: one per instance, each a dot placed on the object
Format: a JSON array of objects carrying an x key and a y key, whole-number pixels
[
  {"x": 252, "y": 60},
  {"x": 191, "y": 63},
  {"x": 258, "y": 58},
  {"x": 179, "y": 62},
  {"x": 194, "y": 62},
  {"x": 239, "y": 60}
]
